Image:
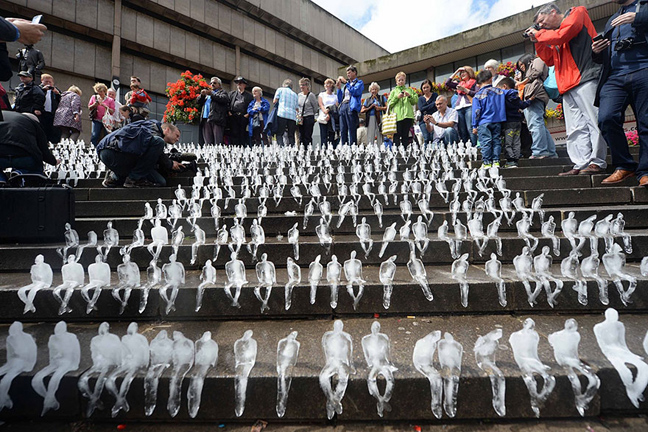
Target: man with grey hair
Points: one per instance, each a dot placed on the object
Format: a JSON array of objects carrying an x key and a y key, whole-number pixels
[
  {"x": 213, "y": 118},
  {"x": 286, "y": 111},
  {"x": 350, "y": 99},
  {"x": 491, "y": 66},
  {"x": 443, "y": 122},
  {"x": 565, "y": 41}
]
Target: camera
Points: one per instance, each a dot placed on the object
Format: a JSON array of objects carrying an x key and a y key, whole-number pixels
[
  {"x": 624, "y": 44},
  {"x": 535, "y": 26}
]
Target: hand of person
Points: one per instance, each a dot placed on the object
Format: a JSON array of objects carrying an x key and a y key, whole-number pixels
[
  {"x": 30, "y": 33},
  {"x": 177, "y": 166},
  {"x": 531, "y": 31},
  {"x": 401, "y": 95},
  {"x": 37, "y": 112},
  {"x": 77, "y": 117},
  {"x": 475, "y": 130},
  {"x": 246, "y": 115},
  {"x": 406, "y": 94},
  {"x": 600, "y": 45},
  {"x": 58, "y": 162},
  {"x": 626, "y": 18},
  {"x": 328, "y": 117},
  {"x": 462, "y": 88}
]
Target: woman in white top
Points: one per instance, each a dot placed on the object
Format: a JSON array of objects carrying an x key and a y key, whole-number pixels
[{"x": 328, "y": 103}]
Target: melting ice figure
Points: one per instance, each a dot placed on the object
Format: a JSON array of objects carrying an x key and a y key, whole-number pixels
[
  {"x": 387, "y": 273},
  {"x": 315, "y": 273},
  {"x": 161, "y": 354},
  {"x": 207, "y": 277},
  {"x": 459, "y": 273},
  {"x": 353, "y": 274},
  {"x": 423, "y": 359},
  {"x": 493, "y": 269},
  {"x": 41, "y": 277},
  {"x": 21, "y": 357},
  {"x": 99, "y": 277},
  {"x": 333, "y": 276},
  {"x": 73, "y": 277},
  {"x": 486, "y": 355},
  {"x": 287, "y": 354},
  {"x": 267, "y": 276},
  {"x": 174, "y": 276},
  {"x": 183, "y": 360},
  {"x": 376, "y": 348},
  {"x": 542, "y": 265},
  {"x": 206, "y": 357},
  {"x": 245, "y": 352},
  {"x": 129, "y": 278},
  {"x": 450, "y": 354},
  {"x": 614, "y": 262},
  {"x": 338, "y": 352}
]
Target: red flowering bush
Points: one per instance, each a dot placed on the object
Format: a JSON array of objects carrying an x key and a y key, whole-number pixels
[
  {"x": 183, "y": 105},
  {"x": 506, "y": 69},
  {"x": 632, "y": 137}
]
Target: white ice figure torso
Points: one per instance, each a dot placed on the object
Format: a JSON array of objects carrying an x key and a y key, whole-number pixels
[
  {"x": 485, "y": 350},
  {"x": 376, "y": 349},
  {"x": 287, "y": 354},
  {"x": 245, "y": 352},
  {"x": 21, "y": 357},
  {"x": 338, "y": 352}
]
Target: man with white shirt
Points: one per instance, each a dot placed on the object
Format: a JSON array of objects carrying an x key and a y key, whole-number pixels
[
  {"x": 52, "y": 99},
  {"x": 443, "y": 122}
]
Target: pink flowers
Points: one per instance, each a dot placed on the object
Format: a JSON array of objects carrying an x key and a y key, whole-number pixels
[{"x": 632, "y": 137}]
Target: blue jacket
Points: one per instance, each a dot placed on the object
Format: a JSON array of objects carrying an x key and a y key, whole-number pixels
[
  {"x": 513, "y": 105},
  {"x": 134, "y": 138},
  {"x": 488, "y": 106},
  {"x": 270, "y": 127},
  {"x": 263, "y": 110},
  {"x": 356, "y": 87}
]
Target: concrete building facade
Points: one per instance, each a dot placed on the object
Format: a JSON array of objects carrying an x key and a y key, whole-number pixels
[{"x": 265, "y": 41}]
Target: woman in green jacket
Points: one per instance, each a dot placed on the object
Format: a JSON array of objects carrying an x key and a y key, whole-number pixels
[{"x": 401, "y": 100}]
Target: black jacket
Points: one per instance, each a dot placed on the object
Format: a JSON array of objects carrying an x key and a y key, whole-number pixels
[
  {"x": 56, "y": 98},
  {"x": 247, "y": 98},
  {"x": 29, "y": 98},
  {"x": 20, "y": 135},
  {"x": 7, "y": 34},
  {"x": 31, "y": 60},
  {"x": 217, "y": 108},
  {"x": 640, "y": 25}
]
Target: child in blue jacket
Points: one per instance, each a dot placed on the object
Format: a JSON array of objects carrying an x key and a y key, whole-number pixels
[{"x": 488, "y": 114}]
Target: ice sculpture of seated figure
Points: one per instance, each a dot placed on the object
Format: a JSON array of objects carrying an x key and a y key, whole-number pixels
[
  {"x": 199, "y": 234},
  {"x": 111, "y": 239},
  {"x": 41, "y": 277},
  {"x": 333, "y": 276},
  {"x": 420, "y": 230},
  {"x": 419, "y": 274},
  {"x": 569, "y": 269},
  {"x": 388, "y": 236},
  {"x": 294, "y": 279},
  {"x": 614, "y": 262},
  {"x": 105, "y": 349},
  {"x": 387, "y": 273},
  {"x": 376, "y": 348},
  {"x": 71, "y": 237},
  {"x": 207, "y": 277},
  {"x": 159, "y": 237},
  {"x": 21, "y": 357},
  {"x": 338, "y": 352},
  {"x": 565, "y": 344},
  {"x": 98, "y": 277},
  {"x": 315, "y": 273},
  {"x": 363, "y": 232},
  {"x": 134, "y": 359},
  {"x": 267, "y": 276},
  {"x": 450, "y": 355},
  {"x": 206, "y": 358},
  {"x": 73, "y": 277},
  {"x": 589, "y": 268},
  {"x": 287, "y": 354},
  {"x": 161, "y": 355},
  {"x": 64, "y": 357},
  {"x": 423, "y": 359},
  {"x": 524, "y": 269},
  {"x": 245, "y": 352},
  {"x": 293, "y": 239},
  {"x": 353, "y": 274},
  {"x": 129, "y": 278},
  {"x": 174, "y": 276},
  {"x": 459, "y": 273},
  {"x": 548, "y": 230},
  {"x": 617, "y": 230},
  {"x": 183, "y": 360},
  {"x": 610, "y": 335},
  {"x": 525, "y": 351},
  {"x": 569, "y": 228},
  {"x": 485, "y": 354},
  {"x": 542, "y": 264},
  {"x": 493, "y": 269}
]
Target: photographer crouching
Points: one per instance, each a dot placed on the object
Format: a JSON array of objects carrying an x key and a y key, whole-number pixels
[{"x": 623, "y": 51}]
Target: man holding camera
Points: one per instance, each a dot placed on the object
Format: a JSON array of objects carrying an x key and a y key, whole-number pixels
[
  {"x": 52, "y": 99},
  {"x": 565, "y": 41},
  {"x": 350, "y": 98},
  {"x": 623, "y": 51}
]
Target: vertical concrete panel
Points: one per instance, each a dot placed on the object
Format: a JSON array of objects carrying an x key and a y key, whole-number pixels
[
  {"x": 219, "y": 57},
  {"x": 192, "y": 47},
  {"x": 161, "y": 36},
  {"x": 172, "y": 75},
  {"x": 64, "y": 9},
  {"x": 225, "y": 19},
  {"x": 211, "y": 13},
  {"x": 129, "y": 22},
  {"x": 142, "y": 69},
  {"x": 144, "y": 30},
  {"x": 183, "y": 7},
  {"x": 237, "y": 24},
  {"x": 45, "y": 46},
  {"x": 84, "y": 52},
  {"x": 158, "y": 78},
  {"x": 275, "y": 80},
  {"x": 298, "y": 53},
  {"x": 167, "y": 3},
  {"x": 43, "y": 6},
  {"x": 198, "y": 10},
  {"x": 126, "y": 68},
  {"x": 205, "y": 53},
  {"x": 106, "y": 14},
  {"x": 177, "y": 42},
  {"x": 259, "y": 35},
  {"x": 248, "y": 30},
  {"x": 270, "y": 38},
  {"x": 230, "y": 61},
  {"x": 87, "y": 11},
  {"x": 103, "y": 66},
  {"x": 280, "y": 45},
  {"x": 245, "y": 67},
  {"x": 255, "y": 69},
  {"x": 264, "y": 75},
  {"x": 306, "y": 57}
]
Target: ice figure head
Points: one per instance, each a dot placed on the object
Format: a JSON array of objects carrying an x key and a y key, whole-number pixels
[
  {"x": 109, "y": 224},
  {"x": 71, "y": 259},
  {"x": 338, "y": 326},
  {"x": 104, "y": 327},
  {"x": 15, "y": 328},
  {"x": 611, "y": 315},
  {"x": 60, "y": 328},
  {"x": 545, "y": 250},
  {"x": 529, "y": 324},
  {"x": 247, "y": 335},
  {"x": 132, "y": 328},
  {"x": 98, "y": 258},
  {"x": 39, "y": 259},
  {"x": 172, "y": 258},
  {"x": 292, "y": 335},
  {"x": 571, "y": 325},
  {"x": 375, "y": 327}
]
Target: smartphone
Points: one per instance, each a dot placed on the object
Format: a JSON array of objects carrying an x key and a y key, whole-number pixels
[
  {"x": 37, "y": 19},
  {"x": 597, "y": 38}
]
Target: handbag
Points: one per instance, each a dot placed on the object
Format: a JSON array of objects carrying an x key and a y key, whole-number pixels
[
  {"x": 321, "y": 118},
  {"x": 388, "y": 126},
  {"x": 109, "y": 121}
]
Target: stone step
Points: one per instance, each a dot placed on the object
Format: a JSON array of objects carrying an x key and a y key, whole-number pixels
[
  {"x": 407, "y": 297},
  {"x": 21, "y": 257},
  {"x": 306, "y": 402}
]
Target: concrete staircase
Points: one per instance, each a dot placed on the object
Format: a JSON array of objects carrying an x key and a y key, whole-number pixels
[{"x": 409, "y": 317}]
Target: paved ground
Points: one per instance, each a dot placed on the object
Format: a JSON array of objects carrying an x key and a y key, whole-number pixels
[{"x": 634, "y": 424}]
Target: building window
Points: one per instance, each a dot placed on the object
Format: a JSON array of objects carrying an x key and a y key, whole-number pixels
[
  {"x": 513, "y": 53},
  {"x": 443, "y": 72},
  {"x": 416, "y": 79},
  {"x": 482, "y": 59}
]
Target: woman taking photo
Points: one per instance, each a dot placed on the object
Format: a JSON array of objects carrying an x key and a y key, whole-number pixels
[
  {"x": 328, "y": 117},
  {"x": 535, "y": 71},
  {"x": 98, "y": 105},
  {"x": 463, "y": 83},
  {"x": 401, "y": 101},
  {"x": 373, "y": 107},
  {"x": 427, "y": 106}
]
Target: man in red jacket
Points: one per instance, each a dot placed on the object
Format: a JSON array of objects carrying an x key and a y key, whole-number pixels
[{"x": 565, "y": 41}]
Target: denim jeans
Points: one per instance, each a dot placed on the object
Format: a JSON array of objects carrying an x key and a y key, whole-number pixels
[
  {"x": 428, "y": 137},
  {"x": 617, "y": 93},
  {"x": 24, "y": 164},
  {"x": 348, "y": 124},
  {"x": 465, "y": 126},
  {"x": 543, "y": 144},
  {"x": 134, "y": 166},
  {"x": 490, "y": 141},
  {"x": 98, "y": 132}
]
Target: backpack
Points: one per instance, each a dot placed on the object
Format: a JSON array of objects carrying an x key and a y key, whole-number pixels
[{"x": 551, "y": 86}]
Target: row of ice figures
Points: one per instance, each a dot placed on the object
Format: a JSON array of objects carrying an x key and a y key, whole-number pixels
[
  {"x": 114, "y": 359},
  {"x": 529, "y": 269},
  {"x": 78, "y": 162}
]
